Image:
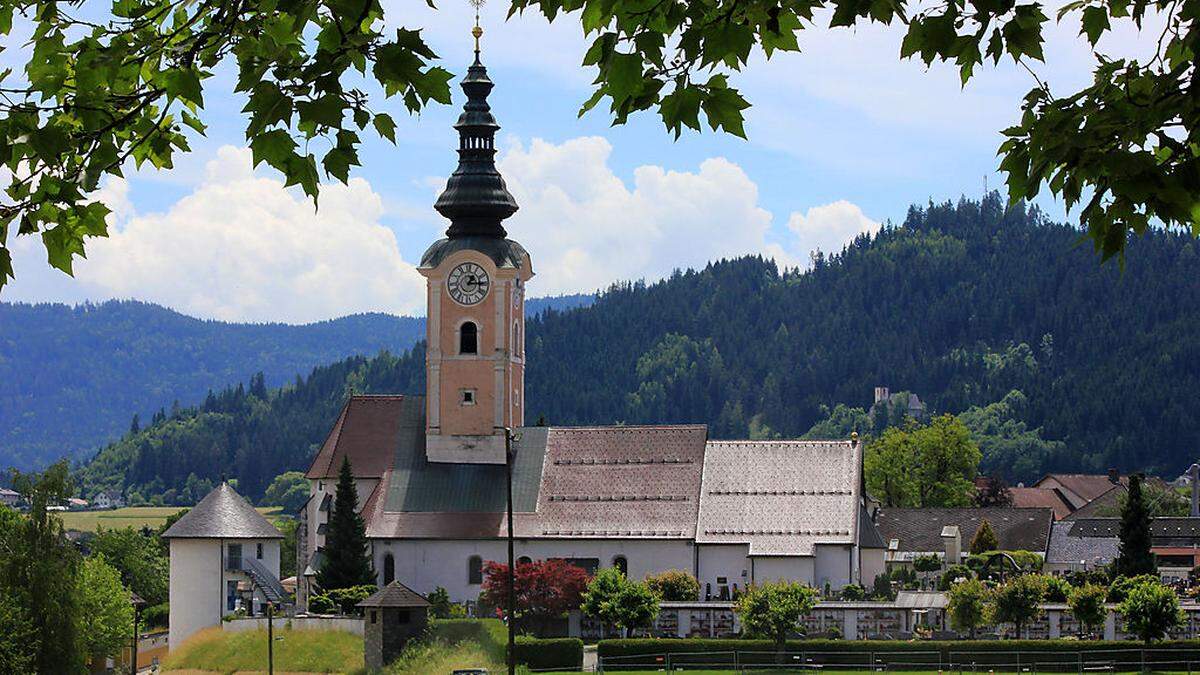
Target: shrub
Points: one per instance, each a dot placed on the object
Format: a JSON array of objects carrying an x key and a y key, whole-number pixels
[
  {"x": 882, "y": 588},
  {"x": 1057, "y": 589},
  {"x": 854, "y": 592},
  {"x": 321, "y": 604},
  {"x": 347, "y": 599},
  {"x": 1122, "y": 585},
  {"x": 156, "y": 616},
  {"x": 953, "y": 574},
  {"x": 984, "y": 539},
  {"x": 674, "y": 586},
  {"x": 1151, "y": 610},
  {"x": 927, "y": 563},
  {"x": 439, "y": 603},
  {"x": 775, "y": 610},
  {"x": 549, "y": 653}
]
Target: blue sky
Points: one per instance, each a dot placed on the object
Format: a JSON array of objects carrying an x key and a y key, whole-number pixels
[{"x": 842, "y": 137}]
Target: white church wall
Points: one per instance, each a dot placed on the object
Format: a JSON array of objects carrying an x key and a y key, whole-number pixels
[
  {"x": 833, "y": 566},
  {"x": 328, "y": 486},
  {"x": 196, "y": 588},
  {"x": 727, "y": 561},
  {"x": 787, "y": 568},
  {"x": 871, "y": 564},
  {"x": 426, "y": 564}
]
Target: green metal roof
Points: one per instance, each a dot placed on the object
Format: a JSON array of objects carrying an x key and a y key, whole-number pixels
[{"x": 421, "y": 486}]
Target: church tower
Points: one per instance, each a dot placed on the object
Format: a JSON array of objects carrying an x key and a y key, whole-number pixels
[{"x": 475, "y": 278}]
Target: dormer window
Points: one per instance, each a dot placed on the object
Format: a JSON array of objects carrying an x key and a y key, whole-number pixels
[{"x": 468, "y": 338}]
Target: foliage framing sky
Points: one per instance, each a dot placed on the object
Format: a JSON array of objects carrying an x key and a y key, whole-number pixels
[{"x": 842, "y": 137}]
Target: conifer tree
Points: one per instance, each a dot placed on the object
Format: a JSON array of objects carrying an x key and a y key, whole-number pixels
[
  {"x": 1135, "y": 557},
  {"x": 346, "y": 562},
  {"x": 985, "y": 539}
]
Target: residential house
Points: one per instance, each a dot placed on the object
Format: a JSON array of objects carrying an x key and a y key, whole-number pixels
[
  {"x": 110, "y": 499},
  {"x": 910, "y": 533},
  {"x": 9, "y": 497}
]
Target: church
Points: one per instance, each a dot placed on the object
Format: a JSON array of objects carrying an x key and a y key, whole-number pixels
[{"x": 431, "y": 471}]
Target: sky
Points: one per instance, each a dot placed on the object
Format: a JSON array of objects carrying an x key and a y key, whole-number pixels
[{"x": 842, "y": 137}]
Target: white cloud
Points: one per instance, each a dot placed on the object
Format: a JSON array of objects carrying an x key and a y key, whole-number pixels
[
  {"x": 830, "y": 227},
  {"x": 586, "y": 228},
  {"x": 241, "y": 247}
]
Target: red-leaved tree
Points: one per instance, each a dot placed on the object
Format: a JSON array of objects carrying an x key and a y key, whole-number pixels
[{"x": 545, "y": 590}]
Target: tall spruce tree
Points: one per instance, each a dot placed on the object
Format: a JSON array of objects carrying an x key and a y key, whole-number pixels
[
  {"x": 1135, "y": 557},
  {"x": 346, "y": 562}
]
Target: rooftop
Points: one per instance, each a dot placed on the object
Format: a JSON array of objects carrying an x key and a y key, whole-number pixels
[
  {"x": 395, "y": 594},
  {"x": 222, "y": 514},
  {"x": 920, "y": 530}
]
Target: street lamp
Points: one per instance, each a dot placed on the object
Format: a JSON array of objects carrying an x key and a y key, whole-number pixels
[
  {"x": 509, "y": 456},
  {"x": 138, "y": 603}
]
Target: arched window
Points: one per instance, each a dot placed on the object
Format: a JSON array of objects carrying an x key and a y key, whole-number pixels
[
  {"x": 474, "y": 570},
  {"x": 389, "y": 569},
  {"x": 524, "y": 560},
  {"x": 622, "y": 564},
  {"x": 468, "y": 338}
]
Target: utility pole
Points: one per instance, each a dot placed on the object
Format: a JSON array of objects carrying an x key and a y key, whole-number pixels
[
  {"x": 270, "y": 639},
  {"x": 512, "y": 594},
  {"x": 137, "y": 603}
]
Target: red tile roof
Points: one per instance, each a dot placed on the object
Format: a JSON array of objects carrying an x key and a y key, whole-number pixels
[
  {"x": 366, "y": 431},
  {"x": 1086, "y": 486},
  {"x": 1050, "y": 498}
]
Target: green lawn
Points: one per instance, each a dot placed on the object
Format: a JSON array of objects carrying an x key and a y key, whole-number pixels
[
  {"x": 130, "y": 516},
  {"x": 214, "y": 650}
]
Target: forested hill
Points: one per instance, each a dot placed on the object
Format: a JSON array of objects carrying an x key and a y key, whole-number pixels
[
  {"x": 71, "y": 378},
  {"x": 961, "y": 304}
]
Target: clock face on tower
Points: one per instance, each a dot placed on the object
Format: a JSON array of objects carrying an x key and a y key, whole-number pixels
[{"x": 468, "y": 284}]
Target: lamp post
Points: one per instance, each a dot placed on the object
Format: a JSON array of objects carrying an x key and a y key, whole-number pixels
[
  {"x": 137, "y": 602},
  {"x": 270, "y": 639},
  {"x": 512, "y": 594}
]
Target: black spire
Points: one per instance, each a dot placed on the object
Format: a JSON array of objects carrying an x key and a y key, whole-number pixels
[{"x": 476, "y": 199}]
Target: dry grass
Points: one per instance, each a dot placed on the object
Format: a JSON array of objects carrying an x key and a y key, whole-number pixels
[
  {"x": 130, "y": 516},
  {"x": 213, "y": 650}
]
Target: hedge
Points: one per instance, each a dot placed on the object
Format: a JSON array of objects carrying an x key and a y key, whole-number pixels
[
  {"x": 537, "y": 653},
  {"x": 550, "y": 653},
  {"x": 925, "y": 654}
]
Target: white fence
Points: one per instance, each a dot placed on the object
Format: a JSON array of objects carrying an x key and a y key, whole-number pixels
[{"x": 348, "y": 624}]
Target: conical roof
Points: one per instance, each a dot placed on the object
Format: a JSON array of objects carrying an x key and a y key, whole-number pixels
[
  {"x": 476, "y": 198},
  {"x": 223, "y": 514}
]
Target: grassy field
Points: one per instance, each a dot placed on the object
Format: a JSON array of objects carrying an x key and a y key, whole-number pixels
[
  {"x": 438, "y": 657},
  {"x": 213, "y": 650},
  {"x": 130, "y": 516}
]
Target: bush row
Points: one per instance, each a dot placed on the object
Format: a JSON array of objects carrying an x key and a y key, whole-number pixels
[
  {"x": 928, "y": 653},
  {"x": 537, "y": 653}
]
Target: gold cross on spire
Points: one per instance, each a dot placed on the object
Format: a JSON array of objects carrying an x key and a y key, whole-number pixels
[{"x": 477, "y": 31}]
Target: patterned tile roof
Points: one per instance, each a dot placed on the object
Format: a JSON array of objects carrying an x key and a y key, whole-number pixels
[
  {"x": 222, "y": 514},
  {"x": 1069, "y": 545},
  {"x": 780, "y": 497},
  {"x": 920, "y": 530},
  {"x": 1170, "y": 531},
  {"x": 629, "y": 482}
]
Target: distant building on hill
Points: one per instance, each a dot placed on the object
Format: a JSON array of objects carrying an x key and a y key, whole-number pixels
[
  {"x": 224, "y": 557},
  {"x": 9, "y": 497},
  {"x": 110, "y": 499}
]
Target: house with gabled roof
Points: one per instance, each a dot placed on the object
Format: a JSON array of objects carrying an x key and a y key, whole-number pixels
[
  {"x": 430, "y": 470},
  {"x": 224, "y": 557}
]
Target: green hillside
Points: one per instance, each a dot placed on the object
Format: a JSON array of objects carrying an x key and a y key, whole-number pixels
[
  {"x": 71, "y": 378},
  {"x": 962, "y": 303}
]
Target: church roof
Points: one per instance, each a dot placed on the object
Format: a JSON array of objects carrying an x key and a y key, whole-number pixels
[
  {"x": 365, "y": 425},
  {"x": 781, "y": 497},
  {"x": 222, "y": 514},
  {"x": 395, "y": 594},
  {"x": 610, "y": 482},
  {"x": 476, "y": 199}
]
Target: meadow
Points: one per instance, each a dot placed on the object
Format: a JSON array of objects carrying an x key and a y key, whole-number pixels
[
  {"x": 130, "y": 516},
  {"x": 214, "y": 650}
]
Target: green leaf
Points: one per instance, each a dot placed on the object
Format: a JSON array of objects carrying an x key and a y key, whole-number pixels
[
  {"x": 385, "y": 126},
  {"x": 267, "y": 105},
  {"x": 624, "y": 76},
  {"x": 337, "y": 163},
  {"x": 1095, "y": 22},
  {"x": 681, "y": 107},
  {"x": 183, "y": 84},
  {"x": 274, "y": 147},
  {"x": 724, "y": 107},
  {"x": 6, "y": 267},
  {"x": 326, "y": 110}
]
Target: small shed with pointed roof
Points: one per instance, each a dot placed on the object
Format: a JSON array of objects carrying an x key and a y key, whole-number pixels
[
  {"x": 391, "y": 617},
  {"x": 224, "y": 557}
]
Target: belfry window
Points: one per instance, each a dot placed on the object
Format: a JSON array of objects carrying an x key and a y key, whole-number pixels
[{"x": 468, "y": 338}]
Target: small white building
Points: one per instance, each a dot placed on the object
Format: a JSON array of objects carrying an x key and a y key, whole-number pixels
[
  {"x": 224, "y": 557},
  {"x": 9, "y": 497}
]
